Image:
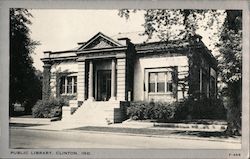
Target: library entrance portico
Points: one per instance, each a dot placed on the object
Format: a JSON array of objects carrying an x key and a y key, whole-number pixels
[
  {"x": 103, "y": 85},
  {"x": 101, "y": 79}
]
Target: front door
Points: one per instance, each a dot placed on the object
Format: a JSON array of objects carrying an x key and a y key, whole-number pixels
[{"x": 103, "y": 85}]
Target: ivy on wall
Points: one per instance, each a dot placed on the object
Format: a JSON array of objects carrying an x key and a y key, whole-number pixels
[
  {"x": 198, "y": 59},
  {"x": 46, "y": 91}
]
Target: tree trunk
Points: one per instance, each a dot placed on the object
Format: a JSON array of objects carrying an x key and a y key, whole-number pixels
[{"x": 233, "y": 117}]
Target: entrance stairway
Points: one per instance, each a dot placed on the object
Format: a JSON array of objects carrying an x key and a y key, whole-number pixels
[{"x": 97, "y": 113}]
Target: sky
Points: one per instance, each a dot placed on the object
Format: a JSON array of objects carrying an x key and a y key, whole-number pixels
[{"x": 59, "y": 30}]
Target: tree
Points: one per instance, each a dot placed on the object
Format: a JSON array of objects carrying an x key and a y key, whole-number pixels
[
  {"x": 160, "y": 23},
  {"x": 230, "y": 66},
  {"x": 25, "y": 87},
  {"x": 175, "y": 23}
]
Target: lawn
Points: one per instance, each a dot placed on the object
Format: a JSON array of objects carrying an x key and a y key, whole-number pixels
[{"x": 162, "y": 132}]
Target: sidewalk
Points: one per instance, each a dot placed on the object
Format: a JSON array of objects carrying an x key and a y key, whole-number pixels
[
  {"x": 184, "y": 131},
  {"x": 52, "y": 124}
]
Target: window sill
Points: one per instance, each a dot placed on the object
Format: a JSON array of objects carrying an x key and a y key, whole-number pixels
[
  {"x": 160, "y": 93},
  {"x": 68, "y": 94}
]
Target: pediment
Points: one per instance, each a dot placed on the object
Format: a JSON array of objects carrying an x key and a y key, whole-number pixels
[{"x": 100, "y": 41}]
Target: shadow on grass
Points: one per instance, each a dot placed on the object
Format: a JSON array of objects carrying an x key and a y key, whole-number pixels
[
  {"x": 23, "y": 125},
  {"x": 205, "y": 134}
]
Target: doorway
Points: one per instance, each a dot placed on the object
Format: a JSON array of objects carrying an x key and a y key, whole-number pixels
[{"x": 103, "y": 85}]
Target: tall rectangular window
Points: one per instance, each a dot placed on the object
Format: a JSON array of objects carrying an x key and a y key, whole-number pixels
[
  {"x": 69, "y": 85},
  {"x": 152, "y": 77},
  {"x": 169, "y": 82},
  {"x": 161, "y": 81},
  {"x": 212, "y": 87},
  {"x": 204, "y": 84},
  {"x": 169, "y": 87},
  {"x": 75, "y": 84},
  {"x": 62, "y": 85}
]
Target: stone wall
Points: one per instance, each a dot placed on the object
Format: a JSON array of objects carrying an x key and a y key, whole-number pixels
[
  {"x": 121, "y": 78},
  {"x": 81, "y": 81},
  {"x": 57, "y": 69},
  {"x": 143, "y": 63}
]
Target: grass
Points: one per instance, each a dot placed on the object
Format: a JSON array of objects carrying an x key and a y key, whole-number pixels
[
  {"x": 25, "y": 116},
  {"x": 146, "y": 131},
  {"x": 205, "y": 134},
  {"x": 193, "y": 121}
]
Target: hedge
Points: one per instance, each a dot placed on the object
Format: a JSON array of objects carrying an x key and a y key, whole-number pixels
[
  {"x": 204, "y": 108},
  {"x": 188, "y": 109},
  {"x": 141, "y": 110}
]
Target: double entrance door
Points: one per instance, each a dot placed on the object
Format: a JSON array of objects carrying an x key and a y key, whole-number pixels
[{"x": 103, "y": 85}]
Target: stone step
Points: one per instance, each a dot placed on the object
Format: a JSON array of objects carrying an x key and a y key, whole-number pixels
[{"x": 97, "y": 112}]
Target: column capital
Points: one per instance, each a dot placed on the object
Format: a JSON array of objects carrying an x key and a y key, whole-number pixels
[
  {"x": 121, "y": 55},
  {"x": 46, "y": 54},
  {"x": 47, "y": 65},
  {"x": 81, "y": 59}
]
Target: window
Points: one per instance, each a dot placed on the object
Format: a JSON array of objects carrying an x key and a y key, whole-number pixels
[
  {"x": 160, "y": 82},
  {"x": 212, "y": 87},
  {"x": 204, "y": 83},
  {"x": 68, "y": 85},
  {"x": 213, "y": 83},
  {"x": 62, "y": 86},
  {"x": 75, "y": 85},
  {"x": 152, "y": 78}
]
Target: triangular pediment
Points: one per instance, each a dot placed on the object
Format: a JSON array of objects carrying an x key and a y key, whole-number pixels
[{"x": 99, "y": 41}]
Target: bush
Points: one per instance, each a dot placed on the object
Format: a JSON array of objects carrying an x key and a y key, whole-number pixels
[
  {"x": 67, "y": 98},
  {"x": 48, "y": 108},
  {"x": 204, "y": 108},
  {"x": 141, "y": 110}
]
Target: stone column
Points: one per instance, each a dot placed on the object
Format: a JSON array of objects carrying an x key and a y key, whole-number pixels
[
  {"x": 81, "y": 80},
  {"x": 91, "y": 74},
  {"x": 112, "y": 98},
  {"x": 46, "y": 81}
]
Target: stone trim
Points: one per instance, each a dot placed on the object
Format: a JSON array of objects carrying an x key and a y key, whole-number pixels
[
  {"x": 111, "y": 49},
  {"x": 81, "y": 81},
  {"x": 121, "y": 78},
  {"x": 99, "y": 35}
]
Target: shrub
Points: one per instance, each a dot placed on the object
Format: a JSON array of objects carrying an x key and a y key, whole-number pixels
[
  {"x": 141, "y": 110},
  {"x": 48, "y": 108},
  {"x": 204, "y": 108},
  {"x": 67, "y": 98}
]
